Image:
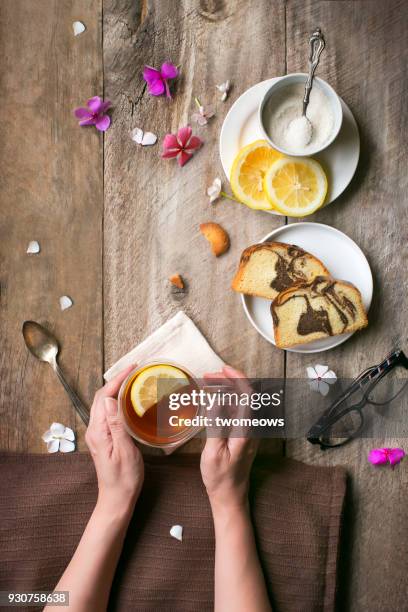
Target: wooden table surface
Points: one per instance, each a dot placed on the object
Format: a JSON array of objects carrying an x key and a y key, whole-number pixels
[{"x": 115, "y": 221}]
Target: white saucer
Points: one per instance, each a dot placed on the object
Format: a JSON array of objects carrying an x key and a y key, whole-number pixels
[
  {"x": 342, "y": 257},
  {"x": 241, "y": 127}
]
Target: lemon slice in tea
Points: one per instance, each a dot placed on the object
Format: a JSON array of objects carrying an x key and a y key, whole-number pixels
[{"x": 153, "y": 383}]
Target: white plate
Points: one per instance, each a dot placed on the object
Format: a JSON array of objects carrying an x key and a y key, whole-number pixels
[
  {"x": 342, "y": 257},
  {"x": 241, "y": 127}
]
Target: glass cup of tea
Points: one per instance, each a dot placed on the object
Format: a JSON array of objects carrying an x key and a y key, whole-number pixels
[{"x": 145, "y": 407}]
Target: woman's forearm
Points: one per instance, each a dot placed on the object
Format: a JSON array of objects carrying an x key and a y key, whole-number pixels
[
  {"x": 239, "y": 581},
  {"x": 89, "y": 575}
]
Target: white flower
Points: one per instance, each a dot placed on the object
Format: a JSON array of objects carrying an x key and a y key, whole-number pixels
[
  {"x": 320, "y": 378},
  {"x": 224, "y": 89},
  {"x": 203, "y": 115},
  {"x": 33, "y": 247},
  {"x": 65, "y": 302},
  {"x": 214, "y": 190},
  {"x": 143, "y": 138},
  {"x": 59, "y": 438},
  {"x": 177, "y": 532}
]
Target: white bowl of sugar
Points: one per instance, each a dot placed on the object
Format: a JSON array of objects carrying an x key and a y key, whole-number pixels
[{"x": 282, "y": 123}]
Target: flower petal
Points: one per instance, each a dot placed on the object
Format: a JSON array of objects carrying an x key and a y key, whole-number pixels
[
  {"x": 184, "y": 135},
  {"x": 47, "y": 436},
  {"x": 323, "y": 387},
  {"x": 377, "y": 456},
  {"x": 103, "y": 123},
  {"x": 137, "y": 135},
  {"x": 184, "y": 157},
  {"x": 105, "y": 106},
  {"x": 330, "y": 377},
  {"x": 78, "y": 27},
  {"x": 66, "y": 446},
  {"x": 95, "y": 104},
  {"x": 33, "y": 247},
  {"x": 321, "y": 369},
  {"x": 69, "y": 434},
  {"x": 311, "y": 372},
  {"x": 194, "y": 143},
  {"x": 170, "y": 142},
  {"x": 57, "y": 429},
  {"x": 169, "y": 71},
  {"x": 170, "y": 153},
  {"x": 82, "y": 113},
  {"x": 65, "y": 302},
  {"x": 149, "y": 139},
  {"x": 314, "y": 384},
  {"x": 177, "y": 532},
  {"x": 156, "y": 88},
  {"x": 53, "y": 446},
  {"x": 90, "y": 121},
  {"x": 151, "y": 74},
  {"x": 395, "y": 455}
]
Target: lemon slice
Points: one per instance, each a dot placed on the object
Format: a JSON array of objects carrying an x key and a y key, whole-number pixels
[
  {"x": 248, "y": 171},
  {"x": 296, "y": 187},
  {"x": 153, "y": 383}
]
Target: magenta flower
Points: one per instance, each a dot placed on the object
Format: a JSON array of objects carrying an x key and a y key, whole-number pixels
[
  {"x": 95, "y": 114},
  {"x": 181, "y": 146},
  {"x": 381, "y": 456},
  {"x": 157, "y": 79}
]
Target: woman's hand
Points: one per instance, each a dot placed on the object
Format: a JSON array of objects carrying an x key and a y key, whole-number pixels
[
  {"x": 118, "y": 462},
  {"x": 226, "y": 462}
]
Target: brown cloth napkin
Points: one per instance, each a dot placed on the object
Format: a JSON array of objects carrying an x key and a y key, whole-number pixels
[{"x": 45, "y": 502}]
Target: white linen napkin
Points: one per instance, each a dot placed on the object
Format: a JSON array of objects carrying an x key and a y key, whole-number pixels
[{"x": 177, "y": 340}]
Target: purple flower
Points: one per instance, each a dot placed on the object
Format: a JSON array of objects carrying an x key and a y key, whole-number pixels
[
  {"x": 381, "y": 456},
  {"x": 95, "y": 114},
  {"x": 157, "y": 79}
]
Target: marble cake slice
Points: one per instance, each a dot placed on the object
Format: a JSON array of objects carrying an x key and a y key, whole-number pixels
[
  {"x": 321, "y": 308},
  {"x": 268, "y": 268}
]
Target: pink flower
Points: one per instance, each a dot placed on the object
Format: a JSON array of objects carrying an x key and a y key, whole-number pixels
[
  {"x": 181, "y": 146},
  {"x": 157, "y": 79},
  {"x": 381, "y": 456},
  {"x": 95, "y": 114}
]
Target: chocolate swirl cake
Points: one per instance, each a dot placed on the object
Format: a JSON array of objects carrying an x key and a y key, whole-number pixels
[
  {"x": 268, "y": 268},
  {"x": 318, "y": 309}
]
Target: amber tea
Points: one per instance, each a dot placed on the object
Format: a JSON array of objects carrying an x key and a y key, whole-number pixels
[{"x": 144, "y": 400}]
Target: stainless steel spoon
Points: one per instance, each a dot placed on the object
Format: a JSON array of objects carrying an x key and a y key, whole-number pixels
[
  {"x": 44, "y": 346},
  {"x": 317, "y": 44}
]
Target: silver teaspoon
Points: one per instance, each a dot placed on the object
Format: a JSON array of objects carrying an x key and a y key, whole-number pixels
[
  {"x": 44, "y": 346},
  {"x": 317, "y": 44}
]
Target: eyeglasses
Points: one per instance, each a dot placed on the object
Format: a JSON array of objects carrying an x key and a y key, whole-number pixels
[{"x": 343, "y": 420}]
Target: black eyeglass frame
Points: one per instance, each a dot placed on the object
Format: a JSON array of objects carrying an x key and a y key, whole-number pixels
[{"x": 374, "y": 374}]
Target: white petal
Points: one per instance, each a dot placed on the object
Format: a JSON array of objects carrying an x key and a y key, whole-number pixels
[
  {"x": 149, "y": 139},
  {"x": 137, "y": 135},
  {"x": 201, "y": 120},
  {"x": 217, "y": 183},
  {"x": 330, "y": 377},
  {"x": 68, "y": 434},
  {"x": 311, "y": 372},
  {"x": 321, "y": 370},
  {"x": 224, "y": 96},
  {"x": 33, "y": 247},
  {"x": 314, "y": 384},
  {"x": 65, "y": 302},
  {"x": 177, "y": 532},
  {"x": 224, "y": 86},
  {"x": 323, "y": 387},
  {"x": 66, "y": 446},
  {"x": 57, "y": 429},
  {"x": 53, "y": 446},
  {"x": 47, "y": 436},
  {"x": 78, "y": 27}
]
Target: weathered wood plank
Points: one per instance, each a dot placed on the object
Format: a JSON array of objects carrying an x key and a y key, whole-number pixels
[
  {"x": 51, "y": 191},
  {"x": 153, "y": 208},
  {"x": 365, "y": 61}
]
